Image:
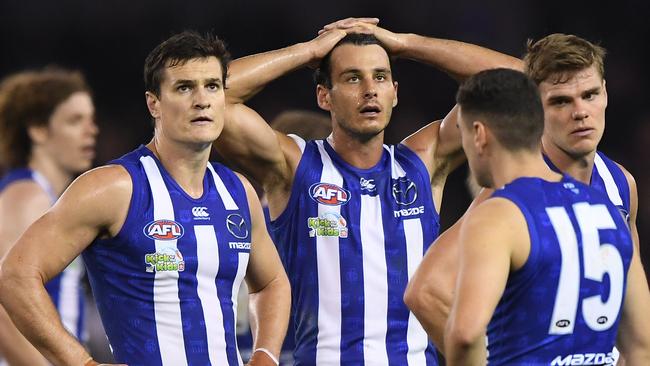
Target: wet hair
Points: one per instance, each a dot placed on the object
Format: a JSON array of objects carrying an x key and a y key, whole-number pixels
[
  {"x": 177, "y": 50},
  {"x": 28, "y": 99},
  {"x": 304, "y": 123},
  {"x": 558, "y": 54},
  {"x": 508, "y": 102},
  {"x": 323, "y": 74}
]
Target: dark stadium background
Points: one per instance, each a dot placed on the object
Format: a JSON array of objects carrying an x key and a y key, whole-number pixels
[{"x": 109, "y": 40}]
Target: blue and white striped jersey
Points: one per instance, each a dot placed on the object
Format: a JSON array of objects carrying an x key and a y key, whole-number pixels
[
  {"x": 65, "y": 289},
  {"x": 350, "y": 239},
  {"x": 563, "y": 306},
  {"x": 166, "y": 284}
]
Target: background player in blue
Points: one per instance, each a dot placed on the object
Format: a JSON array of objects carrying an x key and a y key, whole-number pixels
[
  {"x": 47, "y": 137},
  {"x": 569, "y": 73},
  {"x": 351, "y": 216},
  {"x": 167, "y": 236},
  {"x": 535, "y": 255}
]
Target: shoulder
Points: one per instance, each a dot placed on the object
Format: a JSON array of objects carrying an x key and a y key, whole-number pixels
[
  {"x": 105, "y": 186},
  {"x": 24, "y": 193},
  {"x": 494, "y": 218}
]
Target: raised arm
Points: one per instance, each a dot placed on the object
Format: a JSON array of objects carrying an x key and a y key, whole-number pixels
[
  {"x": 633, "y": 338},
  {"x": 96, "y": 203},
  {"x": 492, "y": 239},
  {"x": 270, "y": 293}
]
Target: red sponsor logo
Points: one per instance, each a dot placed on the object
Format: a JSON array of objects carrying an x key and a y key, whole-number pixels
[
  {"x": 329, "y": 194},
  {"x": 164, "y": 230}
]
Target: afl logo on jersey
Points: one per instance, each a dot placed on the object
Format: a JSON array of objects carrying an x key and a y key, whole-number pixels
[
  {"x": 329, "y": 194},
  {"x": 164, "y": 230}
]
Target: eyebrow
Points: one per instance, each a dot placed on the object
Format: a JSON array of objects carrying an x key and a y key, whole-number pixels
[
  {"x": 358, "y": 71},
  {"x": 192, "y": 82},
  {"x": 593, "y": 90}
]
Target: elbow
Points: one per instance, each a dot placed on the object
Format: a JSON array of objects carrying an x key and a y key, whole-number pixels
[
  {"x": 425, "y": 300},
  {"x": 462, "y": 337}
]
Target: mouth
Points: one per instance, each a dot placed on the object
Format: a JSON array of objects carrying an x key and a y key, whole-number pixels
[
  {"x": 370, "y": 110},
  {"x": 582, "y": 132},
  {"x": 88, "y": 151},
  {"x": 201, "y": 119}
]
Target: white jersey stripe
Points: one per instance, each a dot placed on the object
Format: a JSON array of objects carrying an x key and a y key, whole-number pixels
[
  {"x": 207, "y": 250},
  {"x": 69, "y": 295},
  {"x": 328, "y": 349},
  {"x": 299, "y": 141},
  {"x": 241, "y": 272},
  {"x": 416, "y": 337},
  {"x": 610, "y": 184},
  {"x": 169, "y": 327},
  {"x": 375, "y": 282},
  {"x": 227, "y": 199}
]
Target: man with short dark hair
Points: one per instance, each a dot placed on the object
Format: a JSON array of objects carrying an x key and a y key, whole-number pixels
[
  {"x": 538, "y": 248},
  {"x": 167, "y": 237}
]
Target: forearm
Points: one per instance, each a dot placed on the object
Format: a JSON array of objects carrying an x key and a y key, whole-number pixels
[
  {"x": 33, "y": 313},
  {"x": 269, "y": 311},
  {"x": 15, "y": 349},
  {"x": 248, "y": 75},
  {"x": 458, "y": 59}
]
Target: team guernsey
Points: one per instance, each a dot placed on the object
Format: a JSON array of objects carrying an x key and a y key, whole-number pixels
[
  {"x": 166, "y": 284},
  {"x": 350, "y": 239},
  {"x": 563, "y": 306},
  {"x": 65, "y": 289}
]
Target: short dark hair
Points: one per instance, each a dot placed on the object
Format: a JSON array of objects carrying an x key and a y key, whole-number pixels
[
  {"x": 177, "y": 50},
  {"x": 558, "y": 54},
  {"x": 28, "y": 99},
  {"x": 323, "y": 74},
  {"x": 509, "y": 103}
]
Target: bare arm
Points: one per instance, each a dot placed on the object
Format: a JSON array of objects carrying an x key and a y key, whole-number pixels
[
  {"x": 493, "y": 240},
  {"x": 96, "y": 203},
  {"x": 430, "y": 291},
  {"x": 270, "y": 294},
  {"x": 633, "y": 338},
  {"x": 21, "y": 204}
]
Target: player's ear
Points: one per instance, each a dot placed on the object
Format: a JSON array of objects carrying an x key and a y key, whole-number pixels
[
  {"x": 480, "y": 136},
  {"x": 153, "y": 104},
  {"x": 38, "y": 134},
  {"x": 323, "y": 97},
  {"x": 395, "y": 98},
  {"x": 605, "y": 91}
]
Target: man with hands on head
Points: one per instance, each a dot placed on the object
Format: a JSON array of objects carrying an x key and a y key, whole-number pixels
[
  {"x": 351, "y": 217},
  {"x": 167, "y": 237}
]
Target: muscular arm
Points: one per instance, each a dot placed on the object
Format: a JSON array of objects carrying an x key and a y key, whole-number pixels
[
  {"x": 430, "y": 291},
  {"x": 21, "y": 204},
  {"x": 270, "y": 294},
  {"x": 633, "y": 338},
  {"x": 96, "y": 203},
  {"x": 493, "y": 240}
]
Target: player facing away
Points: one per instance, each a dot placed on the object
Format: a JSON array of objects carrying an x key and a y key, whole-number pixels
[
  {"x": 47, "y": 137},
  {"x": 544, "y": 261},
  {"x": 167, "y": 236},
  {"x": 569, "y": 73},
  {"x": 351, "y": 216}
]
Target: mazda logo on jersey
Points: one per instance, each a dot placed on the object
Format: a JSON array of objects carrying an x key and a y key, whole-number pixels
[
  {"x": 404, "y": 191},
  {"x": 163, "y": 230},
  {"x": 237, "y": 226},
  {"x": 329, "y": 194}
]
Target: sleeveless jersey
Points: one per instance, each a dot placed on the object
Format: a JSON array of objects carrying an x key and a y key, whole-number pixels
[
  {"x": 563, "y": 306},
  {"x": 350, "y": 239},
  {"x": 65, "y": 289},
  {"x": 608, "y": 178},
  {"x": 166, "y": 284}
]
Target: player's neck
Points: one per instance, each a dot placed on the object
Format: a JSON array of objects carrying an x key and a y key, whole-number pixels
[
  {"x": 186, "y": 165},
  {"x": 508, "y": 166},
  {"x": 57, "y": 177},
  {"x": 579, "y": 168},
  {"x": 362, "y": 154}
]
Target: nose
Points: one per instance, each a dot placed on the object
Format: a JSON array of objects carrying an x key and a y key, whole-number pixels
[
  {"x": 369, "y": 89},
  {"x": 580, "y": 112},
  {"x": 92, "y": 128},
  {"x": 201, "y": 100}
]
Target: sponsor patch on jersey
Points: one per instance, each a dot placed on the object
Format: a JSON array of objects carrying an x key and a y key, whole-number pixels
[
  {"x": 200, "y": 213},
  {"x": 329, "y": 194},
  {"x": 328, "y": 224},
  {"x": 411, "y": 211},
  {"x": 237, "y": 226},
  {"x": 584, "y": 359},
  {"x": 166, "y": 260},
  {"x": 163, "y": 230},
  {"x": 368, "y": 185},
  {"x": 405, "y": 192}
]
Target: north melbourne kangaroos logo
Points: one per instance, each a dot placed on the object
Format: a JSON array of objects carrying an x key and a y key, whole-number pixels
[{"x": 163, "y": 230}]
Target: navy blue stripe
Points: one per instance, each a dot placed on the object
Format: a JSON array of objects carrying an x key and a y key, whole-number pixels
[
  {"x": 352, "y": 291},
  {"x": 53, "y": 288},
  {"x": 397, "y": 278}
]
